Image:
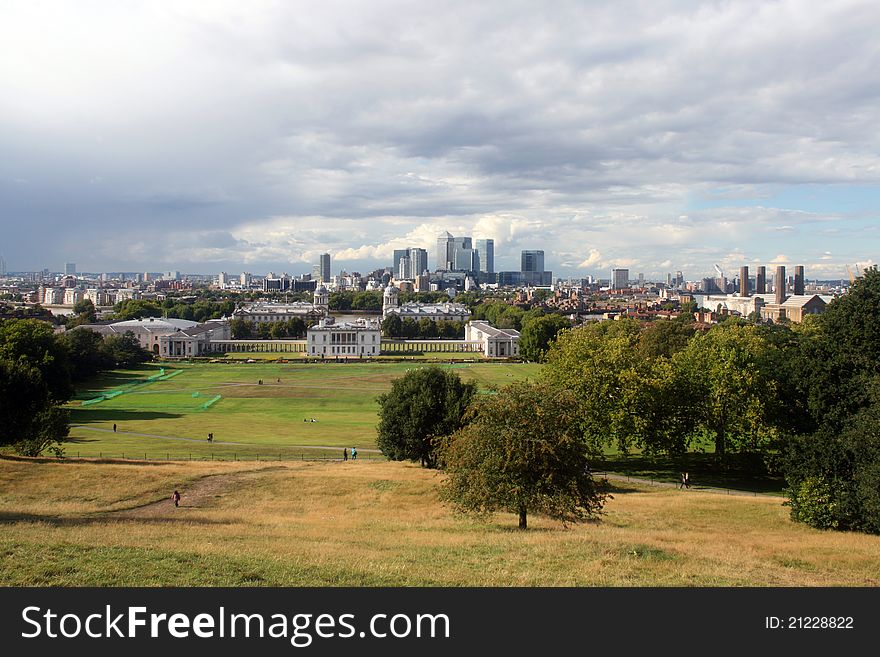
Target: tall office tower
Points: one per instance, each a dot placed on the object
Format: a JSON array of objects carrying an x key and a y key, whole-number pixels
[
  {"x": 641, "y": 280},
  {"x": 2, "y": 266},
  {"x": 418, "y": 260},
  {"x": 462, "y": 254},
  {"x": 761, "y": 280},
  {"x": 744, "y": 281},
  {"x": 222, "y": 280},
  {"x": 398, "y": 254},
  {"x": 444, "y": 253},
  {"x": 486, "y": 251},
  {"x": 245, "y": 279},
  {"x": 668, "y": 280},
  {"x": 779, "y": 284},
  {"x": 799, "y": 279},
  {"x": 325, "y": 267},
  {"x": 404, "y": 268},
  {"x": 619, "y": 279},
  {"x": 679, "y": 279},
  {"x": 532, "y": 261},
  {"x": 70, "y": 269}
]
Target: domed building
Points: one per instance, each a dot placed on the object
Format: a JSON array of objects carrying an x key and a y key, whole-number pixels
[{"x": 452, "y": 312}]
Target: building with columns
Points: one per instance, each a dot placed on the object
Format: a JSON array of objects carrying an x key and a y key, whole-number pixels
[
  {"x": 169, "y": 337},
  {"x": 280, "y": 312},
  {"x": 453, "y": 312},
  {"x": 358, "y": 339},
  {"x": 497, "y": 343}
]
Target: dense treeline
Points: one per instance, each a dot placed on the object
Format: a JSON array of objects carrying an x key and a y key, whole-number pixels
[
  {"x": 37, "y": 370},
  {"x": 805, "y": 398},
  {"x": 295, "y": 327},
  {"x": 395, "y": 327}
]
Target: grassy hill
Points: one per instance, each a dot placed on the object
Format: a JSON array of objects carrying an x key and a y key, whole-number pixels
[{"x": 379, "y": 523}]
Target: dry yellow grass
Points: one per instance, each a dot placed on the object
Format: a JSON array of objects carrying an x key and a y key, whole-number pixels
[{"x": 361, "y": 523}]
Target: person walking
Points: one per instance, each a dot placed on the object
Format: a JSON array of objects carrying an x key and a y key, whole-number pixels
[
  {"x": 354, "y": 453},
  {"x": 176, "y": 497},
  {"x": 687, "y": 480},
  {"x": 344, "y": 453},
  {"x": 683, "y": 480},
  {"x": 114, "y": 427}
]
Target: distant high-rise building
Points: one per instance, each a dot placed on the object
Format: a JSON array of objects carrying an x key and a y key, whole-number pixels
[
  {"x": 532, "y": 261},
  {"x": 325, "y": 267},
  {"x": 761, "y": 280},
  {"x": 404, "y": 268},
  {"x": 619, "y": 279},
  {"x": 418, "y": 260},
  {"x": 779, "y": 284},
  {"x": 799, "y": 280},
  {"x": 70, "y": 269},
  {"x": 222, "y": 280},
  {"x": 641, "y": 280},
  {"x": 744, "y": 281},
  {"x": 668, "y": 280},
  {"x": 445, "y": 249},
  {"x": 486, "y": 251},
  {"x": 398, "y": 254},
  {"x": 679, "y": 279},
  {"x": 245, "y": 279}
]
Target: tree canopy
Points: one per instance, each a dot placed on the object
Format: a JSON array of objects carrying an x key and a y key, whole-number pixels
[
  {"x": 538, "y": 333},
  {"x": 423, "y": 406},
  {"x": 522, "y": 453}
]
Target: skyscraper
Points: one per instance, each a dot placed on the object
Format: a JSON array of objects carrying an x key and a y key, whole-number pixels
[
  {"x": 532, "y": 261},
  {"x": 325, "y": 267},
  {"x": 761, "y": 280},
  {"x": 486, "y": 251},
  {"x": 444, "y": 251},
  {"x": 418, "y": 259},
  {"x": 398, "y": 254},
  {"x": 619, "y": 279},
  {"x": 70, "y": 269},
  {"x": 744, "y": 281}
]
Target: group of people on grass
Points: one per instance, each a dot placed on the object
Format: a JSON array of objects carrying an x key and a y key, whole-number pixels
[{"x": 354, "y": 454}]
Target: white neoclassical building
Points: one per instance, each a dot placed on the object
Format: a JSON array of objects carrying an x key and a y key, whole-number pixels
[
  {"x": 359, "y": 339},
  {"x": 281, "y": 312},
  {"x": 497, "y": 343},
  {"x": 453, "y": 312},
  {"x": 168, "y": 338}
]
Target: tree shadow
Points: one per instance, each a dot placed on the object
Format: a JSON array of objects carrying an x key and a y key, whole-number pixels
[
  {"x": 83, "y": 460},
  {"x": 91, "y": 415}
]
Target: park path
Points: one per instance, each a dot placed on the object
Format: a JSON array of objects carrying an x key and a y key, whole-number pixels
[
  {"x": 197, "y": 495},
  {"x": 216, "y": 442},
  {"x": 694, "y": 487}
]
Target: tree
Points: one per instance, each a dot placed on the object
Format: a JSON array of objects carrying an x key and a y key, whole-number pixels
[
  {"x": 33, "y": 342},
  {"x": 424, "y": 405},
  {"x": 137, "y": 309},
  {"x": 30, "y": 420},
  {"x": 427, "y": 328},
  {"x": 522, "y": 453},
  {"x": 124, "y": 350},
  {"x": 665, "y": 338},
  {"x": 392, "y": 326},
  {"x": 735, "y": 393},
  {"x": 240, "y": 328},
  {"x": 85, "y": 311},
  {"x": 538, "y": 333},
  {"x": 86, "y": 353}
]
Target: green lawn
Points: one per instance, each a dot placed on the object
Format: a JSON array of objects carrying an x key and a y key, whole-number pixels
[{"x": 264, "y": 421}]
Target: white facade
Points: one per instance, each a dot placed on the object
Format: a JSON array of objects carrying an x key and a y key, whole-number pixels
[
  {"x": 281, "y": 312},
  {"x": 360, "y": 339},
  {"x": 497, "y": 343},
  {"x": 169, "y": 338},
  {"x": 453, "y": 312}
]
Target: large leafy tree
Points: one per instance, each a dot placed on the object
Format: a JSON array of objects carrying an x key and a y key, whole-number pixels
[
  {"x": 30, "y": 420},
  {"x": 423, "y": 406},
  {"x": 522, "y": 453},
  {"x": 86, "y": 352},
  {"x": 596, "y": 362},
  {"x": 728, "y": 370},
  {"x": 33, "y": 342},
  {"x": 538, "y": 333}
]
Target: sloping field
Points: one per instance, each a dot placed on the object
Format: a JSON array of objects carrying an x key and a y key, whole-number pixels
[
  {"x": 168, "y": 416},
  {"x": 379, "y": 523}
]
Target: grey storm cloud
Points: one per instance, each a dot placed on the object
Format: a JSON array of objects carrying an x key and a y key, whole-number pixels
[{"x": 265, "y": 133}]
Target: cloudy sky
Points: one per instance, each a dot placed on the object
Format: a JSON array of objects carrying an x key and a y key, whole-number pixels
[{"x": 655, "y": 135}]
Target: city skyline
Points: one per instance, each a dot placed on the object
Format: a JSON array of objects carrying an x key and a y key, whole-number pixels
[{"x": 673, "y": 136}]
